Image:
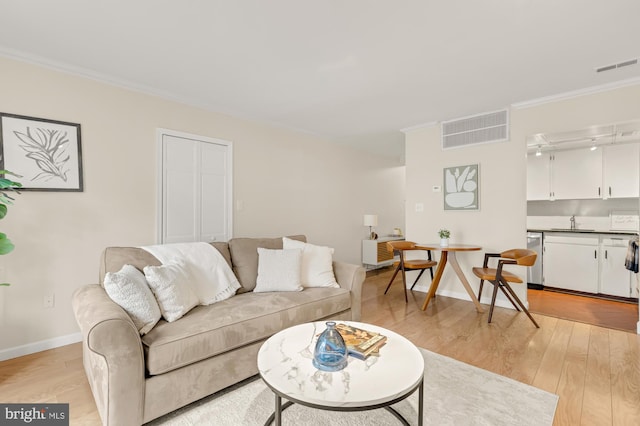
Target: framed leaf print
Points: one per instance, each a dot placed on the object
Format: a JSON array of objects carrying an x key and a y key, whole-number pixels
[
  {"x": 461, "y": 187},
  {"x": 46, "y": 154}
]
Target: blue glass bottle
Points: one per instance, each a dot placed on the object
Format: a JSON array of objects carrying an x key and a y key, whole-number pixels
[{"x": 330, "y": 353}]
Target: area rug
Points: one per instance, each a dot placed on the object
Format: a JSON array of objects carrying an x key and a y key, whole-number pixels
[{"x": 455, "y": 393}]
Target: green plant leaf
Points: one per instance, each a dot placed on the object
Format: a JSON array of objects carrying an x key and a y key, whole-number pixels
[
  {"x": 3, "y": 211},
  {"x": 6, "y": 246}
]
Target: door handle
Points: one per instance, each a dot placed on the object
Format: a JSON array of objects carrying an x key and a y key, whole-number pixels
[
  {"x": 606, "y": 254},
  {"x": 595, "y": 254}
]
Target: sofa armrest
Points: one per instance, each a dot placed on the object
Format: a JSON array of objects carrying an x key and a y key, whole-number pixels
[
  {"x": 112, "y": 356},
  {"x": 351, "y": 277}
]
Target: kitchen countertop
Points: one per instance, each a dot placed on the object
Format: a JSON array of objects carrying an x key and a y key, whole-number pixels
[{"x": 582, "y": 231}]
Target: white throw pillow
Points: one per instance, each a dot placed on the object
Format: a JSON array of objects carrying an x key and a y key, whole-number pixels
[
  {"x": 129, "y": 289},
  {"x": 317, "y": 264},
  {"x": 278, "y": 270},
  {"x": 170, "y": 284}
]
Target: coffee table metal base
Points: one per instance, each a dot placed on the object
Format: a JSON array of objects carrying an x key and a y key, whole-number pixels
[{"x": 277, "y": 414}]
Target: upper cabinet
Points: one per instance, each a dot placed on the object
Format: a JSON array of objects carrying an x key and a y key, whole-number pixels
[
  {"x": 538, "y": 177},
  {"x": 621, "y": 171},
  {"x": 611, "y": 171},
  {"x": 576, "y": 174}
]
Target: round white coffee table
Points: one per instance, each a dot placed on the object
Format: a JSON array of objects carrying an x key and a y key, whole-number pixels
[{"x": 285, "y": 365}]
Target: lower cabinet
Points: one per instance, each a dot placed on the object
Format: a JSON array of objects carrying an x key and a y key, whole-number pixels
[
  {"x": 571, "y": 262},
  {"x": 589, "y": 263},
  {"x": 615, "y": 279}
]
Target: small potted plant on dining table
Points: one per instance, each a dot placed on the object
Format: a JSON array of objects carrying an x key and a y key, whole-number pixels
[{"x": 444, "y": 237}]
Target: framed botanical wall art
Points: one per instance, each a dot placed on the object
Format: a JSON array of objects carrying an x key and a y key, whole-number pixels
[
  {"x": 45, "y": 153},
  {"x": 461, "y": 188}
]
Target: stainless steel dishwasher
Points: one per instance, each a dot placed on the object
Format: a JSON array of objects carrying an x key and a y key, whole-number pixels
[{"x": 534, "y": 274}]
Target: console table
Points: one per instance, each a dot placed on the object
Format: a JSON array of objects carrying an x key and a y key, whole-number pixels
[{"x": 375, "y": 253}]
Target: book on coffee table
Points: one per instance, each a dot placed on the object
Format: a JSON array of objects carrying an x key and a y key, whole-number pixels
[{"x": 360, "y": 343}]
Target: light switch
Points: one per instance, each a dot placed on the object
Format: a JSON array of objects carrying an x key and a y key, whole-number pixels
[{"x": 437, "y": 188}]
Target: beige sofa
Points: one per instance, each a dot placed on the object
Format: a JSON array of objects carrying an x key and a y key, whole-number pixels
[{"x": 135, "y": 379}]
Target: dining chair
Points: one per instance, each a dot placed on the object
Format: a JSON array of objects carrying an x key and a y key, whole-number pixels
[
  {"x": 399, "y": 248},
  {"x": 501, "y": 278}
]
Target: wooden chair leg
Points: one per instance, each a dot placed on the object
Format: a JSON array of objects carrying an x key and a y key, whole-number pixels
[
  {"x": 404, "y": 284},
  {"x": 416, "y": 281},
  {"x": 392, "y": 278},
  {"x": 506, "y": 293},
  {"x": 493, "y": 299},
  {"x": 525, "y": 310},
  {"x": 480, "y": 289}
]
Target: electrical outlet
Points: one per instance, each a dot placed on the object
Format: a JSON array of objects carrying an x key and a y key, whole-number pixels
[
  {"x": 49, "y": 301},
  {"x": 419, "y": 207}
]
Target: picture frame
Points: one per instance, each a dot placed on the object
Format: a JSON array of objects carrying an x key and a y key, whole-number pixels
[
  {"x": 46, "y": 155},
  {"x": 461, "y": 187}
]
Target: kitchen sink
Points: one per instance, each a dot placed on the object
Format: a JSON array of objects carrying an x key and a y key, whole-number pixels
[{"x": 572, "y": 230}]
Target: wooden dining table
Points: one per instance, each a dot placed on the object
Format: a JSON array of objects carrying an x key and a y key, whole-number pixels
[{"x": 448, "y": 254}]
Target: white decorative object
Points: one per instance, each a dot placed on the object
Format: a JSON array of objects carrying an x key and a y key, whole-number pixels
[
  {"x": 129, "y": 289},
  {"x": 211, "y": 276},
  {"x": 444, "y": 242},
  {"x": 171, "y": 284},
  {"x": 278, "y": 270},
  {"x": 317, "y": 264}
]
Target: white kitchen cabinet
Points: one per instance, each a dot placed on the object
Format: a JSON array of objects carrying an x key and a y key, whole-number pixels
[
  {"x": 615, "y": 279},
  {"x": 571, "y": 262},
  {"x": 621, "y": 166},
  {"x": 538, "y": 177},
  {"x": 576, "y": 174}
]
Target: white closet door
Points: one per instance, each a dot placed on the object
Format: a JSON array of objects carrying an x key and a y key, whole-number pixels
[{"x": 195, "y": 188}]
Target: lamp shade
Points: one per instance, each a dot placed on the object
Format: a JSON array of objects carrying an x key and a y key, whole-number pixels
[{"x": 370, "y": 220}]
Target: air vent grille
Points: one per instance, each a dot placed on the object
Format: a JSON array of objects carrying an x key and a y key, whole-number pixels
[
  {"x": 618, "y": 65},
  {"x": 483, "y": 128}
]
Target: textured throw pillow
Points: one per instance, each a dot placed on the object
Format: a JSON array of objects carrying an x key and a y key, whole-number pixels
[
  {"x": 317, "y": 264},
  {"x": 278, "y": 270},
  {"x": 170, "y": 284},
  {"x": 129, "y": 289}
]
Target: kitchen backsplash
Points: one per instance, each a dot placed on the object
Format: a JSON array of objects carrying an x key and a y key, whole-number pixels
[
  {"x": 583, "y": 222},
  {"x": 601, "y": 215}
]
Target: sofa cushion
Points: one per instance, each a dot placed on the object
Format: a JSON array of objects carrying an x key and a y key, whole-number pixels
[
  {"x": 171, "y": 285},
  {"x": 278, "y": 270},
  {"x": 317, "y": 264},
  {"x": 244, "y": 257},
  {"x": 114, "y": 258},
  {"x": 243, "y": 319},
  {"x": 129, "y": 288}
]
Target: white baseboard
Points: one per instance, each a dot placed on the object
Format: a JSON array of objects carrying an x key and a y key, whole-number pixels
[
  {"x": 40, "y": 346},
  {"x": 638, "y": 327},
  {"x": 503, "y": 303}
]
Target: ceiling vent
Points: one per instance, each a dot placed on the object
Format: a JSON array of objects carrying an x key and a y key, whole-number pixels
[
  {"x": 483, "y": 128},
  {"x": 618, "y": 65}
]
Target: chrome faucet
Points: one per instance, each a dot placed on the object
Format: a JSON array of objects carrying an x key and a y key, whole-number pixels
[{"x": 573, "y": 222}]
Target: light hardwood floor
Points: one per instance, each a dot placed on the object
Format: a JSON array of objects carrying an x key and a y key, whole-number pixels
[{"x": 594, "y": 370}]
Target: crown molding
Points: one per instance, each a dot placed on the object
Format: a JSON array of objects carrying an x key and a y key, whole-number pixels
[
  {"x": 419, "y": 126},
  {"x": 577, "y": 93}
]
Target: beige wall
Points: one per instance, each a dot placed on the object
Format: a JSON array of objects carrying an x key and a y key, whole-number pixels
[
  {"x": 288, "y": 182},
  {"x": 501, "y": 221}
]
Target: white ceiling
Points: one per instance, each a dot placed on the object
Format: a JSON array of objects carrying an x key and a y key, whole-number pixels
[{"x": 353, "y": 71}]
